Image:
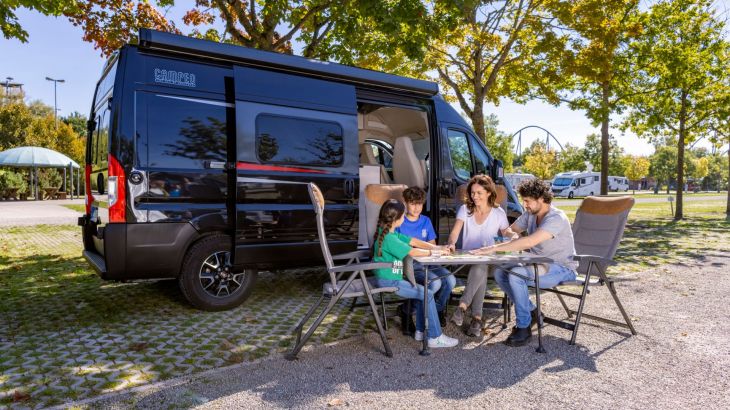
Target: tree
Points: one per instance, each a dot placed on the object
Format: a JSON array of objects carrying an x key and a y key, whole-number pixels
[
  {"x": 77, "y": 121},
  {"x": 599, "y": 65},
  {"x": 9, "y": 24},
  {"x": 683, "y": 78},
  {"x": 663, "y": 165},
  {"x": 572, "y": 158},
  {"x": 636, "y": 168},
  {"x": 594, "y": 154},
  {"x": 15, "y": 119},
  {"x": 540, "y": 161},
  {"x": 701, "y": 168},
  {"x": 486, "y": 50},
  {"x": 498, "y": 143}
]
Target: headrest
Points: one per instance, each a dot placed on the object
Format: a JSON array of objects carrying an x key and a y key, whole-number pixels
[
  {"x": 605, "y": 205},
  {"x": 379, "y": 193},
  {"x": 501, "y": 194},
  {"x": 316, "y": 195}
]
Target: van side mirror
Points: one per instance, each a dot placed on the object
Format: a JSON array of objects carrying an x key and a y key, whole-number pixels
[{"x": 498, "y": 171}]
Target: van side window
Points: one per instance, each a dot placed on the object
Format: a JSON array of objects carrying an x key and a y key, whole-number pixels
[
  {"x": 481, "y": 159},
  {"x": 298, "y": 141},
  {"x": 460, "y": 158},
  {"x": 185, "y": 132}
]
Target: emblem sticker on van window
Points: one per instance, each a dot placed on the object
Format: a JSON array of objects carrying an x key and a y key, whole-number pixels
[{"x": 174, "y": 77}]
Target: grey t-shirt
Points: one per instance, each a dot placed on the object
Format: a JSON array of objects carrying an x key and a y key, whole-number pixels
[{"x": 561, "y": 247}]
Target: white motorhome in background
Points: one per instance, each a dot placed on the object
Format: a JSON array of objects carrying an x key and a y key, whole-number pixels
[
  {"x": 516, "y": 179},
  {"x": 616, "y": 183},
  {"x": 576, "y": 183}
]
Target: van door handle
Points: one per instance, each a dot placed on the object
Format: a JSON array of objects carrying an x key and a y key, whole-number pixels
[{"x": 350, "y": 188}]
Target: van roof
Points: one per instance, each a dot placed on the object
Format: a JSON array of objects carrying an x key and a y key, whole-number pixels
[{"x": 158, "y": 40}]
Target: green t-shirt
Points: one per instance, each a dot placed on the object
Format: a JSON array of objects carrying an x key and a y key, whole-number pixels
[{"x": 395, "y": 248}]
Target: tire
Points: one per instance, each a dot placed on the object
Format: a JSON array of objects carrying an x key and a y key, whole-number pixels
[
  {"x": 570, "y": 195},
  {"x": 206, "y": 283}
]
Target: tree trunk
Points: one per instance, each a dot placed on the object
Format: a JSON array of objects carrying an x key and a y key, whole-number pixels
[
  {"x": 680, "y": 157},
  {"x": 604, "y": 140}
]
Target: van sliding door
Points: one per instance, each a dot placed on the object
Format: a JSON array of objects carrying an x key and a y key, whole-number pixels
[{"x": 292, "y": 130}]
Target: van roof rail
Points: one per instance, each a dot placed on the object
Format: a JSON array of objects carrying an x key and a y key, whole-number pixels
[{"x": 160, "y": 40}]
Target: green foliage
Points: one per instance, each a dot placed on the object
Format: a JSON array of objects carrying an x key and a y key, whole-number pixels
[
  {"x": 540, "y": 161},
  {"x": 498, "y": 143},
  {"x": 12, "y": 179},
  {"x": 636, "y": 167},
  {"x": 572, "y": 158},
  {"x": 9, "y": 24},
  {"x": 49, "y": 178},
  {"x": 593, "y": 154},
  {"x": 77, "y": 122}
]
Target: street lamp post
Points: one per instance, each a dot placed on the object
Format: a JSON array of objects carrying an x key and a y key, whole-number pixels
[{"x": 55, "y": 106}]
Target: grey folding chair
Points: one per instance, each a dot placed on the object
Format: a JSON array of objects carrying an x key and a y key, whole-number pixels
[
  {"x": 355, "y": 285},
  {"x": 597, "y": 230}
]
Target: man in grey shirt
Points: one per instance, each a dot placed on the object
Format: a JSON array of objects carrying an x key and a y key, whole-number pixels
[{"x": 549, "y": 234}]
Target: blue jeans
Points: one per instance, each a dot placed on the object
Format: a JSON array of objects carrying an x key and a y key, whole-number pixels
[
  {"x": 440, "y": 287},
  {"x": 408, "y": 291},
  {"x": 516, "y": 287}
]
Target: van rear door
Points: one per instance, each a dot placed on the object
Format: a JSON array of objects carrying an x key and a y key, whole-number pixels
[{"x": 292, "y": 130}]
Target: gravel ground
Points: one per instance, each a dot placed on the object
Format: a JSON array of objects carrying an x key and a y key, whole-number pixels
[{"x": 679, "y": 360}]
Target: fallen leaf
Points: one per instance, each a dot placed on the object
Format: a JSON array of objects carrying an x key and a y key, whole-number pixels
[
  {"x": 19, "y": 396},
  {"x": 684, "y": 333},
  {"x": 335, "y": 402},
  {"x": 137, "y": 347}
]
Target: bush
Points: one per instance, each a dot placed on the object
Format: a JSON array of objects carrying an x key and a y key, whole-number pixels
[
  {"x": 12, "y": 180},
  {"x": 49, "y": 178}
]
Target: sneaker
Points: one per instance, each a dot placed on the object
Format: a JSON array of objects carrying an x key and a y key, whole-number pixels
[
  {"x": 475, "y": 328},
  {"x": 418, "y": 336},
  {"x": 458, "y": 316},
  {"x": 442, "y": 341}
]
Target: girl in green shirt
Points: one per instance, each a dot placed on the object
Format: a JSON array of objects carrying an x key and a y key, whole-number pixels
[{"x": 390, "y": 246}]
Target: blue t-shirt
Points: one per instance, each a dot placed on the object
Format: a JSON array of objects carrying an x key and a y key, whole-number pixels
[{"x": 419, "y": 229}]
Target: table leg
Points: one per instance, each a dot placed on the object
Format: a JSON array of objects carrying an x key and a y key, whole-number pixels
[
  {"x": 425, "y": 351},
  {"x": 539, "y": 349}
]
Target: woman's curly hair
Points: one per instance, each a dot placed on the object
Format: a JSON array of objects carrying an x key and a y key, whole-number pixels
[
  {"x": 390, "y": 212},
  {"x": 535, "y": 188},
  {"x": 486, "y": 183}
]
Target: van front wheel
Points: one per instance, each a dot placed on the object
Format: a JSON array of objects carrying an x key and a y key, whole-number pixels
[
  {"x": 208, "y": 281},
  {"x": 570, "y": 195}
]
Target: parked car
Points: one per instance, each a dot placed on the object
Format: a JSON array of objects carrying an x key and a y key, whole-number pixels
[{"x": 196, "y": 148}]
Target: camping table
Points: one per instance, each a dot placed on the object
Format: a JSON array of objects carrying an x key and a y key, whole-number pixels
[{"x": 463, "y": 258}]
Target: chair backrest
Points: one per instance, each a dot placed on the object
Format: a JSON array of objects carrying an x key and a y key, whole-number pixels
[
  {"x": 407, "y": 169},
  {"x": 318, "y": 202},
  {"x": 599, "y": 226},
  {"x": 375, "y": 196}
]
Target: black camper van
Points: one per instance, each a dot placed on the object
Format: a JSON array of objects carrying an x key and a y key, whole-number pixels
[{"x": 196, "y": 148}]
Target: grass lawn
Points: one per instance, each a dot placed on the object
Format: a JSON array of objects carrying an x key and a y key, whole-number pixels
[{"x": 76, "y": 207}]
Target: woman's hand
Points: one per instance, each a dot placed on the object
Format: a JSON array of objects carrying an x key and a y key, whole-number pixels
[
  {"x": 451, "y": 247},
  {"x": 484, "y": 251}
]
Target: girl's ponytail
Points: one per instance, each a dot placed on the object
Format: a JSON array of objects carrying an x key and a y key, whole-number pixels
[{"x": 390, "y": 212}]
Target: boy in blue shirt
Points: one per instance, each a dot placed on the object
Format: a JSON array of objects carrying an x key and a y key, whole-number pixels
[{"x": 419, "y": 226}]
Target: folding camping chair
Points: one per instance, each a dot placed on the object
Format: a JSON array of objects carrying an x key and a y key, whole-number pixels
[
  {"x": 356, "y": 284},
  {"x": 597, "y": 230}
]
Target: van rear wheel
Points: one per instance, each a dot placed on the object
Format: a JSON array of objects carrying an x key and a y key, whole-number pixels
[{"x": 206, "y": 279}]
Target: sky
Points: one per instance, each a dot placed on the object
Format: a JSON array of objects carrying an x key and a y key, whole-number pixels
[{"x": 55, "y": 49}]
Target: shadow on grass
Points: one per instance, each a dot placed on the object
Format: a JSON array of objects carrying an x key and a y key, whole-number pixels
[{"x": 660, "y": 241}]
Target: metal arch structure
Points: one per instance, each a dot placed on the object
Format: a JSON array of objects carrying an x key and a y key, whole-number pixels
[{"x": 548, "y": 136}]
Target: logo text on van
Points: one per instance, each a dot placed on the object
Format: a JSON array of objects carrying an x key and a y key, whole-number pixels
[{"x": 174, "y": 77}]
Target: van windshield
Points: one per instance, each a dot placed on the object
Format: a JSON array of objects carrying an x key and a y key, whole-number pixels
[{"x": 562, "y": 181}]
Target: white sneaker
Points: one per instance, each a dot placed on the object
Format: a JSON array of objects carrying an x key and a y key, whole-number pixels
[
  {"x": 418, "y": 336},
  {"x": 442, "y": 341}
]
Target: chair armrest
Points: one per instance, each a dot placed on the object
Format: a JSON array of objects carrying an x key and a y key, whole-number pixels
[
  {"x": 360, "y": 254},
  {"x": 361, "y": 266},
  {"x": 594, "y": 258}
]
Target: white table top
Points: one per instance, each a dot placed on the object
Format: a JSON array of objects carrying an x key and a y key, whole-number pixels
[{"x": 465, "y": 258}]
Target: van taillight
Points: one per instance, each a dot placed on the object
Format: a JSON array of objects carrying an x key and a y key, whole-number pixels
[
  {"x": 117, "y": 202},
  {"x": 89, "y": 197}
]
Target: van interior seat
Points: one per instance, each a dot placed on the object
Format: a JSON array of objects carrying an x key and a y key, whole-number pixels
[
  {"x": 375, "y": 196},
  {"x": 367, "y": 157},
  {"x": 407, "y": 169}
]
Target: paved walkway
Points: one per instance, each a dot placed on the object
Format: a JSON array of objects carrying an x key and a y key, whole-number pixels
[{"x": 23, "y": 213}]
